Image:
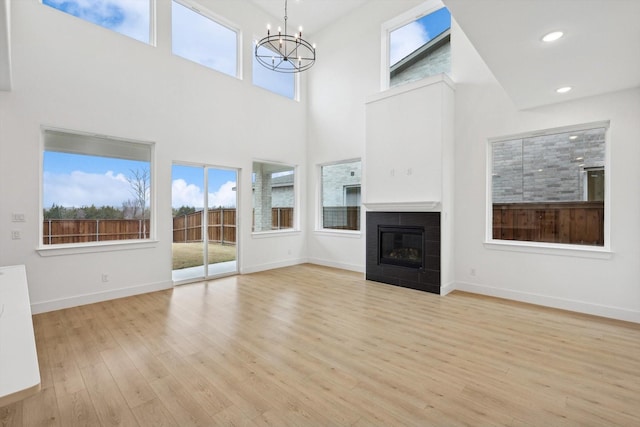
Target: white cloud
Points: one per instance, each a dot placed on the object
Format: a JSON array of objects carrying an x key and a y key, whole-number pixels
[
  {"x": 85, "y": 189},
  {"x": 405, "y": 40},
  {"x": 225, "y": 196},
  {"x": 129, "y": 17},
  {"x": 183, "y": 194}
]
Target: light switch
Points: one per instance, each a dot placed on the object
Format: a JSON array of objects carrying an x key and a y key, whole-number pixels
[
  {"x": 16, "y": 235},
  {"x": 17, "y": 217}
]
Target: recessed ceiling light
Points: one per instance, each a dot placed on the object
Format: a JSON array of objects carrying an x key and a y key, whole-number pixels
[
  {"x": 564, "y": 89},
  {"x": 553, "y": 36},
  {"x": 572, "y": 137}
]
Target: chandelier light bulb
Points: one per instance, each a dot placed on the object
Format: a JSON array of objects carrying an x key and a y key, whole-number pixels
[{"x": 285, "y": 52}]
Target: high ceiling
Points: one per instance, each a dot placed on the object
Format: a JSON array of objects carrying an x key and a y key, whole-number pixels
[
  {"x": 599, "y": 53},
  {"x": 313, "y": 15}
]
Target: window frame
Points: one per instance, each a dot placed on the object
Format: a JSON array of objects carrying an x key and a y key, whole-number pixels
[
  {"x": 218, "y": 19},
  {"x": 296, "y": 201},
  {"x": 320, "y": 229},
  {"x": 565, "y": 249},
  {"x": 153, "y": 33},
  {"x": 296, "y": 76},
  {"x": 105, "y": 245},
  {"x": 399, "y": 21}
]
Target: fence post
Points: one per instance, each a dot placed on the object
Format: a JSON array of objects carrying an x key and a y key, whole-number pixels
[
  {"x": 97, "y": 230},
  {"x": 221, "y": 226},
  {"x": 50, "y": 231}
]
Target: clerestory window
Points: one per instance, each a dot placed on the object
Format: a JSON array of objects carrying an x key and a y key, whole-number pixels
[
  {"x": 133, "y": 18},
  {"x": 416, "y": 48},
  {"x": 204, "y": 39}
]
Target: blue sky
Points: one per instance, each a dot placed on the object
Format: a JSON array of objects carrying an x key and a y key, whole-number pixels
[
  {"x": 408, "y": 38},
  {"x": 187, "y": 187},
  {"x": 74, "y": 180},
  {"x": 129, "y": 17}
]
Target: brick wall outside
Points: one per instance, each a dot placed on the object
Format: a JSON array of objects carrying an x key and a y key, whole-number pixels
[{"x": 545, "y": 168}]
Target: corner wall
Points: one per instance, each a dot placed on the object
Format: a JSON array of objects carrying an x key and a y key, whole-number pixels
[{"x": 606, "y": 286}]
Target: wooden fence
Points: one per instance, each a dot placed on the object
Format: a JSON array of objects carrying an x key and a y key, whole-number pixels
[
  {"x": 561, "y": 222},
  {"x": 221, "y": 227},
  {"x": 341, "y": 217},
  {"x": 57, "y": 231},
  {"x": 186, "y": 228}
]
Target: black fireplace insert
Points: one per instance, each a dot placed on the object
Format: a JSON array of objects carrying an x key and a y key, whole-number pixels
[{"x": 403, "y": 246}]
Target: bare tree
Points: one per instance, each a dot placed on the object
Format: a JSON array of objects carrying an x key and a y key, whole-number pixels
[
  {"x": 140, "y": 184},
  {"x": 139, "y": 180}
]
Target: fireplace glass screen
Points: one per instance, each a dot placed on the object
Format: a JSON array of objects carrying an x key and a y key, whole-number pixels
[{"x": 401, "y": 246}]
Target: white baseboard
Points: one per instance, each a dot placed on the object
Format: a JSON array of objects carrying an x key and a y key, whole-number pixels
[
  {"x": 340, "y": 265},
  {"x": 449, "y": 287},
  {"x": 547, "y": 301},
  {"x": 61, "y": 303},
  {"x": 272, "y": 265}
]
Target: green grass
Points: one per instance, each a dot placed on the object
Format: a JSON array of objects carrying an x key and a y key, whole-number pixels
[{"x": 190, "y": 254}]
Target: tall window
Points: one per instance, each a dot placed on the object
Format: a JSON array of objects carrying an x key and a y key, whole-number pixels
[
  {"x": 550, "y": 186},
  {"x": 281, "y": 83},
  {"x": 201, "y": 39},
  {"x": 273, "y": 196},
  {"x": 131, "y": 17},
  {"x": 417, "y": 48},
  {"x": 95, "y": 189},
  {"x": 341, "y": 195}
]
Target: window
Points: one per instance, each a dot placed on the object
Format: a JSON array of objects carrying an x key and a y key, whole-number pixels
[
  {"x": 200, "y": 39},
  {"x": 417, "y": 48},
  {"x": 341, "y": 195},
  {"x": 131, "y": 18},
  {"x": 550, "y": 186},
  {"x": 281, "y": 83},
  {"x": 95, "y": 189},
  {"x": 273, "y": 196}
]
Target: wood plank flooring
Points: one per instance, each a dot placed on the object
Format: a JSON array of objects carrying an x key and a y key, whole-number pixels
[{"x": 315, "y": 346}]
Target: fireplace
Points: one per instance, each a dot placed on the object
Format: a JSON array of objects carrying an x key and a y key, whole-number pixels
[
  {"x": 401, "y": 246},
  {"x": 403, "y": 249}
]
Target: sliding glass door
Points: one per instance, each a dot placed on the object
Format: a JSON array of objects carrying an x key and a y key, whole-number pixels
[{"x": 204, "y": 240}]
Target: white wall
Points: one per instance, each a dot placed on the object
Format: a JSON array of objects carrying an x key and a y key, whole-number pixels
[
  {"x": 346, "y": 73},
  {"x": 75, "y": 75},
  {"x": 609, "y": 286}
]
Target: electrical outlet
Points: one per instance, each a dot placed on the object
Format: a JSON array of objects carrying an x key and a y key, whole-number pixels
[
  {"x": 16, "y": 235},
  {"x": 472, "y": 271},
  {"x": 105, "y": 277}
]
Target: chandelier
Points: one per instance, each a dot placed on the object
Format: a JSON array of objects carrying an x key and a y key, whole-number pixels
[{"x": 285, "y": 53}]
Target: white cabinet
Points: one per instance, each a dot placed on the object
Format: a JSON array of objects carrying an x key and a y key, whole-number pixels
[{"x": 19, "y": 371}]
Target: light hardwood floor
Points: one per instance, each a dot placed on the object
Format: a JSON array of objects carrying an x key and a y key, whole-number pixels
[{"x": 310, "y": 345}]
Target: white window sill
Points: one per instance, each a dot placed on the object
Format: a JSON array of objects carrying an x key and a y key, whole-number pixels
[
  {"x": 580, "y": 251},
  {"x": 353, "y": 234},
  {"x": 274, "y": 233},
  {"x": 83, "y": 248}
]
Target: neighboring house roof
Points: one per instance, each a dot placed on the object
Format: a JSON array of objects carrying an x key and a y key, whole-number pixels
[
  {"x": 282, "y": 181},
  {"x": 422, "y": 52}
]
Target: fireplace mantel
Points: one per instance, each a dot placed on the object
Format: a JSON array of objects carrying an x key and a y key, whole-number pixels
[{"x": 404, "y": 207}]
